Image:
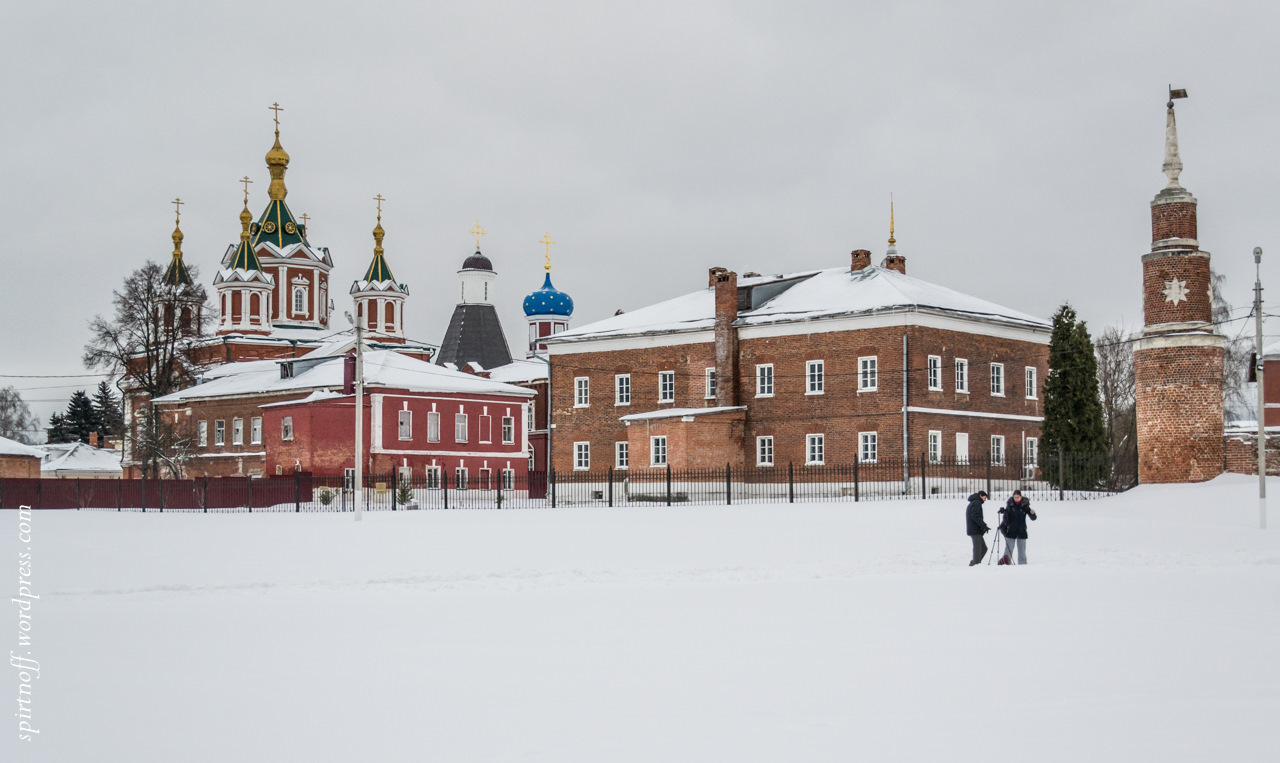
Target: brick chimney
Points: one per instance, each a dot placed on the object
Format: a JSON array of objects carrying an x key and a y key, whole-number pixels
[
  {"x": 93, "y": 439},
  {"x": 860, "y": 259},
  {"x": 712, "y": 275},
  {"x": 895, "y": 261},
  {"x": 725, "y": 283}
]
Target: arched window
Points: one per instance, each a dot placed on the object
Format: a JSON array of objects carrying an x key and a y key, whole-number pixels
[
  {"x": 391, "y": 316},
  {"x": 299, "y": 300}
]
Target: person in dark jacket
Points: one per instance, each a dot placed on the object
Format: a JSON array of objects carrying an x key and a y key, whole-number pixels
[
  {"x": 1014, "y": 526},
  {"x": 976, "y": 526}
]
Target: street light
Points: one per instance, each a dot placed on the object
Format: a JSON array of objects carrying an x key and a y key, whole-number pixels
[
  {"x": 359, "y": 480},
  {"x": 1262, "y": 404}
]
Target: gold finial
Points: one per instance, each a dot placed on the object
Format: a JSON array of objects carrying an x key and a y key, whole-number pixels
[
  {"x": 378, "y": 232},
  {"x": 177, "y": 232},
  {"x": 277, "y": 161},
  {"x": 477, "y": 231},
  {"x": 546, "y": 241},
  {"x": 245, "y": 216},
  {"x": 304, "y": 219},
  {"x": 892, "y": 240}
]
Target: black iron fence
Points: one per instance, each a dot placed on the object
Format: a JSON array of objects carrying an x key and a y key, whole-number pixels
[{"x": 1059, "y": 477}]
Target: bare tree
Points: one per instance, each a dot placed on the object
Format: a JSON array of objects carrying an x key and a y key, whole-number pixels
[
  {"x": 148, "y": 339},
  {"x": 16, "y": 421},
  {"x": 163, "y": 445},
  {"x": 1237, "y": 403},
  {"x": 1118, "y": 390}
]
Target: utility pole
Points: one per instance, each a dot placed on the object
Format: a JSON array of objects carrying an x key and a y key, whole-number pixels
[
  {"x": 1262, "y": 400},
  {"x": 359, "y": 418}
]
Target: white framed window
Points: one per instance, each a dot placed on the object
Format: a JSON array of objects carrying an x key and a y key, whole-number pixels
[
  {"x": 658, "y": 450},
  {"x": 962, "y": 447},
  {"x": 622, "y": 389},
  {"x": 868, "y": 374},
  {"x": 202, "y": 433},
  {"x": 666, "y": 386},
  {"x": 710, "y": 384},
  {"x": 935, "y": 446},
  {"x": 286, "y": 428},
  {"x": 255, "y": 430},
  {"x": 997, "y": 379},
  {"x": 433, "y": 426},
  {"x": 962, "y": 375},
  {"x": 868, "y": 447},
  {"x": 935, "y": 372},
  {"x": 432, "y": 475},
  {"x": 621, "y": 454},
  {"x": 508, "y": 479},
  {"x": 997, "y": 449},
  {"x": 508, "y": 430},
  {"x": 299, "y": 300},
  {"x": 460, "y": 478},
  {"x": 581, "y": 455},
  {"x": 486, "y": 428},
  {"x": 764, "y": 451},
  {"x": 405, "y": 421},
  {"x": 764, "y": 380},
  {"x": 1032, "y": 456},
  {"x": 581, "y": 391},
  {"x": 349, "y": 478},
  {"x": 1031, "y": 382},
  {"x": 528, "y": 417},
  {"x": 815, "y": 377},
  {"x": 460, "y": 427},
  {"x": 237, "y": 431},
  {"x": 815, "y": 447},
  {"x": 404, "y": 475}
]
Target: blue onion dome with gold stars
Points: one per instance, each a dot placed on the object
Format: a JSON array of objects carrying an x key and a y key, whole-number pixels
[{"x": 548, "y": 301}]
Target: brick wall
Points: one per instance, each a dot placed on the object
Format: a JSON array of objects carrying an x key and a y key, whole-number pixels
[
  {"x": 19, "y": 466},
  {"x": 1240, "y": 453},
  {"x": 1192, "y": 269},
  {"x": 1179, "y": 409},
  {"x": 1173, "y": 220}
]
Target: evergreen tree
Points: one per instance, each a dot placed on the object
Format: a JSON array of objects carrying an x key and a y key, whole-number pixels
[
  {"x": 58, "y": 430},
  {"x": 1073, "y": 420},
  {"x": 107, "y": 406},
  {"x": 81, "y": 417}
]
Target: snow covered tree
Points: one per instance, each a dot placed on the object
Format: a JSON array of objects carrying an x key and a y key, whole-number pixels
[
  {"x": 154, "y": 326},
  {"x": 163, "y": 446},
  {"x": 1237, "y": 401},
  {"x": 1118, "y": 390},
  {"x": 108, "y": 408},
  {"x": 1073, "y": 419},
  {"x": 16, "y": 421}
]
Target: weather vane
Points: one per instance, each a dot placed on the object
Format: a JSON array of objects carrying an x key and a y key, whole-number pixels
[
  {"x": 177, "y": 210},
  {"x": 477, "y": 231},
  {"x": 246, "y": 182},
  {"x": 546, "y": 240}
]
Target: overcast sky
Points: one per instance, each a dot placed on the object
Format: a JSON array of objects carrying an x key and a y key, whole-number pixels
[{"x": 1022, "y": 143}]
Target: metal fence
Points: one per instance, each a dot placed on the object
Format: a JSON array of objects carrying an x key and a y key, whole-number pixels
[{"x": 1057, "y": 478}]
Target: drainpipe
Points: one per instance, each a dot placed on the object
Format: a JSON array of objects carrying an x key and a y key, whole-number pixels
[{"x": 906, "y": 460}]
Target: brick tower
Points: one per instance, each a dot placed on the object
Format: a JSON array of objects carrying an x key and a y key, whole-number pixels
[{"x": 1178, "y": 362}]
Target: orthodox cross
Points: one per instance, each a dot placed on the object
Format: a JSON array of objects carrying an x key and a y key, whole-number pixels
[
  {"x": 277, "y": 108},
  {"x": 379, "y": 199},
  {"x": 477, "y": 231},
  {"x": 246, "y": 182},
  {"x": 177, "y": 210},
  {"x": 546, "y": 240},
  {"x": 304, "y": 220}
]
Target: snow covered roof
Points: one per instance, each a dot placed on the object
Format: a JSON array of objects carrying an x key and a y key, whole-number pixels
[
  {"x": 14, "y": 448},
  {"x": 1271, "y": 351},
  {"x": 520, "y": 371},
  {"x": 382, "y": 368},
  {"x": 77, "y": 458},
  {"x": 671, "y": 413},
  {"x": 817, "y": 294}
]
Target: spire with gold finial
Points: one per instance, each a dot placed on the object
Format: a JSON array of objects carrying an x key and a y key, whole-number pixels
[
  {"x": 892, "y": 240},
  {"x": 547, "y": 242},
  {"x": 277, "y": 161},
  {"x": 177, "y": 274},
  {"x": 378, "y": 269},
  {"x": 245, "y": 258}
]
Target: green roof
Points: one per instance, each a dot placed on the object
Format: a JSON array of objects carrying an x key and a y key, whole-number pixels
[
  {"x": 277, "y": 225},
  {"x": 245, "y": 258},
  {"x": 379, "y": 270},
  {"x": 177, "y": 274}
]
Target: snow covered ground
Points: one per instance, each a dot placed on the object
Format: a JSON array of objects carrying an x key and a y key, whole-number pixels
[{"x": 1147, "y": 627}]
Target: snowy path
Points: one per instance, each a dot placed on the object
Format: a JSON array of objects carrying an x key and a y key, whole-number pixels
[{"x": 1146, "y": 628}]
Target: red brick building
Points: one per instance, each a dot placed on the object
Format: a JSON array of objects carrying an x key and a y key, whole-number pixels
[
  {"x": 18, "y": 460},
  {"x": 272, "y": 417},
  {"x": 821, "y": 367}
]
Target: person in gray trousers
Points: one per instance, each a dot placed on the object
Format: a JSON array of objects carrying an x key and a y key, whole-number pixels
[
  {"x": 1014, "y": 526},
  {"x": 976, "y": 526}
]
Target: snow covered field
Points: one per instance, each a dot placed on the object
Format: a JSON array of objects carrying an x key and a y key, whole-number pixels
[{"x": 1147, "y": 627}]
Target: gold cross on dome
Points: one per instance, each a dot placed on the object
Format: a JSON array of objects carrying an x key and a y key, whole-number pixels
[
  {"x": 177, "y": 210},
  {"x": 304, "y": 220},
  {"x": 246, "y": 182},
  {"x": 477, "y": 231},
  {"x": 546, "y": 240},
  {"x": 277, "y": 108},
  {"x": 379, "y": 199}
]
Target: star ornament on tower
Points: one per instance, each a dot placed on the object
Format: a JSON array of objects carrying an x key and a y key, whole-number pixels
[{"x": 1175, "y": 291}]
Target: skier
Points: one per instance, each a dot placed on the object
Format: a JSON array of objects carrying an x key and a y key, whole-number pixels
[
  {"x": 1014, "y": 526},
  {"x": 977, "y": 526}
]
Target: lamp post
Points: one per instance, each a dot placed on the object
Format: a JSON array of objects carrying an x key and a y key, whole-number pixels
[
  {"x": 359, "y": 478},
  {"x": 1262, "y": 405}
]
